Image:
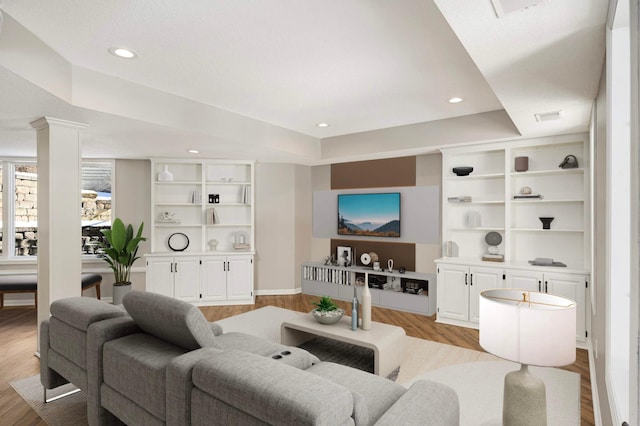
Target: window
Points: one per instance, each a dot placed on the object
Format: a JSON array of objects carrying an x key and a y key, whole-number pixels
[
  {"x": 19, "y": 206},
  {"x": 25, "y": 208},
  {"x": 96, "y": 203}
]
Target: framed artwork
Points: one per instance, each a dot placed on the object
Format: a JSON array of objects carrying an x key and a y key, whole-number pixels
[{"x": 344, "y": 256}]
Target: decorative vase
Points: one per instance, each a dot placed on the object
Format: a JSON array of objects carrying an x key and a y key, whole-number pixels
[
  {"x": 366, "y": 307},
  {"x": 521, "y": 164},
  {"x": 119, "y": 291},
  {"x": 546, "y": 222},
  {"x": 165, "y": 175},
  {"x": 354, "y": 310}
]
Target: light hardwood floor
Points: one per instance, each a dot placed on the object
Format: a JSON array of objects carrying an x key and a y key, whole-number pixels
[{"x": 18, "y": 344}]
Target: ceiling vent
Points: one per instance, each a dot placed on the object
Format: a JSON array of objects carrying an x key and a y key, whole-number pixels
[
  {"x": 548, "y": 116},
  {"x": 504, "y": 7}
]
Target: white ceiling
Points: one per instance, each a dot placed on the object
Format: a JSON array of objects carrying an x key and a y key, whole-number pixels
[{"x": 252, "y": 78}]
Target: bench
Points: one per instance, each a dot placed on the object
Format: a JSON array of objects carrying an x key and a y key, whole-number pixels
[{"x": 29, "y": 284}]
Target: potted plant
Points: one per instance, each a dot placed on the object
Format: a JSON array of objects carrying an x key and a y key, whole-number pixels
[
  {"x": 120, "y": 252},
  {"x": 326, "y": 311}
]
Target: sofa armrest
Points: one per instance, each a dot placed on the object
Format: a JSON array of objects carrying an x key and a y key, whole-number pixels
[
  {"x": 180, "y": 384},
  {"x": 98, "y": 334},
  {"x": 265, "y": 389},
  {"x": 49, "y": 378},
  {"x": 216, "y": 328},
  {"x": 426, "y": 403}
]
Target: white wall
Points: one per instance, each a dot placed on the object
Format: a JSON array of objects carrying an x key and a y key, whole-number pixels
[{"x": 283, "y": 227}]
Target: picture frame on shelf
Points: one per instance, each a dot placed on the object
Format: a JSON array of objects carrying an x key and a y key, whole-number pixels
[{"x": 343, "y": 254}]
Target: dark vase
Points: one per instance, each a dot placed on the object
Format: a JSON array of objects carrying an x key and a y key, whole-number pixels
[{"x": 546, "y": 222}]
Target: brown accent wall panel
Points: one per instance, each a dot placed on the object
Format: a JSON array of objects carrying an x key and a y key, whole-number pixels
[
  {"x": 403, "y": 254},
  {"x": 374, "y": 173}
]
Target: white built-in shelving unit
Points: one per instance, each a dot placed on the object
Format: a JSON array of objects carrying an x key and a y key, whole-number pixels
[
  {"x": 492, "y": 186},
  {"x": 205, "y": 201}
]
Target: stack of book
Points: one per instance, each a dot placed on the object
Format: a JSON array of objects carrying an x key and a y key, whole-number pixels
[
  {"x": 527, "y": 196},
  {"x": 493, "y": 257},
  {"x": 460, "y": 199},
  {"x": 212, "y": 216},
  {"x": 242, "y": 246}
]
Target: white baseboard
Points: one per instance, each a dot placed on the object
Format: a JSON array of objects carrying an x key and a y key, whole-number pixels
[
  {"x": 279, "y": 292},
  {"x": 30, "y": 302},
  {"x": 18, "y": 302},
  {"x": 597, "y": 416}
]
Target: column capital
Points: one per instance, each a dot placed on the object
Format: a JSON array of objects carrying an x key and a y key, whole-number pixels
[{"x": 44, "y": 122}]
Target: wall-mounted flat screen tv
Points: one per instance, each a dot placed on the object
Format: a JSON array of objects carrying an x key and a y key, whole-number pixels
[{"x": 369, "y": 215}]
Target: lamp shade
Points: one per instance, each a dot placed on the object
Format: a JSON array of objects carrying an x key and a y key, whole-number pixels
[{"x": 528, "y": 327}]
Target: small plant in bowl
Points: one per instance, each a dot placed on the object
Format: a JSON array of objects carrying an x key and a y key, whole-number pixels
[{"x": 326, "y": 311}]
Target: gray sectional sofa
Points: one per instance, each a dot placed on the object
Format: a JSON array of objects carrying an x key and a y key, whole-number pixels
[{"x": 161, "y": 363}]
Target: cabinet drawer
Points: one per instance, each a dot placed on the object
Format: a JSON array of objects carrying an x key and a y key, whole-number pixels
[{"x": 407, "y": 302}]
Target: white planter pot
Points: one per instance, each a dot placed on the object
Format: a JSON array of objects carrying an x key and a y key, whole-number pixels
[{"x": 118, "y": 293}]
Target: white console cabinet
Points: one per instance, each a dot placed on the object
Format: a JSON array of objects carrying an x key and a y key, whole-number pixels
[
  {"x": 572, "y": 286},
  {"x": 228, "y": 278},
  {"x": 459, "y": 288},
  {"x": 410, "y": 291},
  {"x": 203, "y": 280},
  {"x": 460, "y": 282}
]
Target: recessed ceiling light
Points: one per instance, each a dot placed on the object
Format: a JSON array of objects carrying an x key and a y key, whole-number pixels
[
  {"x": 121, "y": 52},
  {"x": 322, "y": 124},
  {"x": 194, "y": 151},
  {"x": 455, "y": 100}
]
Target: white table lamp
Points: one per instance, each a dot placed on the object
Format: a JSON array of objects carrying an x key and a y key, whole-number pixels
[{"x": 531, "y": 328}]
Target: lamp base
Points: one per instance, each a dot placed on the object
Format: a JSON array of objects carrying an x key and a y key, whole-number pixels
[{"x": 525, "y": 401}]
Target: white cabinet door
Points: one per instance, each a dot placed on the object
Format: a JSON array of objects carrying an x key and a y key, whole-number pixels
[
  {"x": 525, "y": 280},
  {"x": 187, "y": 279},
  {"x": 571, "y": 286},
  {"x": 481, "y": 279},
  {"x": 214, "y": 278},
  {"x": 453, "y": 292},
  {"x": 239, "y": 277},
  {"x": 160, "y": 275}
]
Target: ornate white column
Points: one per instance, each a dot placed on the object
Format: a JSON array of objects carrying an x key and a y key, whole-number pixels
[{"x": 59, "y": 151}]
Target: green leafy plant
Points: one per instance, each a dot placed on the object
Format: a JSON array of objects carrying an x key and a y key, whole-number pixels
[
  {"x": 121, "y": 249},
  {"x": 325, "y": 304}
]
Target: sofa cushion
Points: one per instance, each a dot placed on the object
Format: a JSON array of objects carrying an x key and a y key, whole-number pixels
[
  {"x": 81, "y": 312},
  {"x": 378, "y": 393},
  {"x": 135, "y": 366},
  {"x": 169, "y": 319},
  {"x": 270, "y": 391}
]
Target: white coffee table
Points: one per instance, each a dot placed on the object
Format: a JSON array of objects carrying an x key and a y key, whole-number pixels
[{"x": 386, "y": 341}]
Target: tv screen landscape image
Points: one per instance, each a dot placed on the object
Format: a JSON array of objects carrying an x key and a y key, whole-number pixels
[{"x": 369, "y": 215}]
